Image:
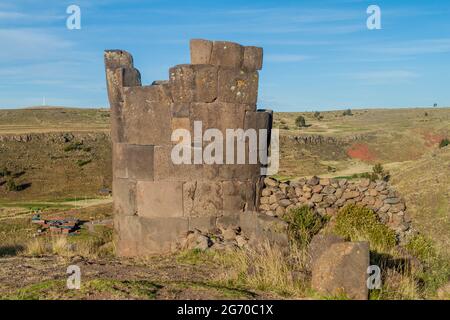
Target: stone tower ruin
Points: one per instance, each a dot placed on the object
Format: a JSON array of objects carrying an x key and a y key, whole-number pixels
[{"x": 157, "y": 202}]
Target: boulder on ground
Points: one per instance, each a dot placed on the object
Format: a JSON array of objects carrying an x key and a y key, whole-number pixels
[{"x": 342, "y": 270}]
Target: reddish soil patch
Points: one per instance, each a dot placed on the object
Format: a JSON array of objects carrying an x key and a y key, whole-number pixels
[
  {"x": 432, "y": 139},
  {"x": 360, "y": 151}
]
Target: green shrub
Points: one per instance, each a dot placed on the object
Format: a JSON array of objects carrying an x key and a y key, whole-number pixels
[
  {"x": 303, "y": 225},
  {"x": 421, "y": 247},
  {"x": 77, "y": 145},
  {"x": 82, "y": 163},
  {"x": 300, "y": 121},
  {"x": 357, "y": 223},
  {"x": 436, "y": 271},
  {"x": 444, "y": 142},
  {"x": 12, "y": 186}
]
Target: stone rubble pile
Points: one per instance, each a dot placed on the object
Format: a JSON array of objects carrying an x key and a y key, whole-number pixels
[
  {"x": 220, "y": 239},
  {"x": 326, "y": 196}
]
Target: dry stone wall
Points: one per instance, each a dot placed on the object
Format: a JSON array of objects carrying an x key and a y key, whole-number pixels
[
  {"x": 156, "y": 202},
  {"x": 327, "y": 196}
]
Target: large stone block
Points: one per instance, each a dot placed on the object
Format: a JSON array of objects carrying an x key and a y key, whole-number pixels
[
  {"x": 133, "y": 161},
  {"x": 180, "y": 110},
  {"x": 190, "y": 83},
  {"x": 117, "y": 59},
  {"x": 319, "y": 244},
  {"x": 139, "y": 236},
  {"x": 239, "y": 196},
  {"x": 159, "y": 199},
  {"x": 342, "y": 269},
  {"x": 205, "y": 83},
  {"x": 166, "y": 170},
  {"x": 147, "y": 115},
  {"x": 253, "y": 58},
  {"x": 227, "y": 54},
  {"x": 200, "y": 51},
  {"x": 117, "y": 79},
  {"x": 181, "y": 80},
  {"x": 261, "y": 227},
  {"x": 124, "y": 193},
  {"x": 238, "y": 86},
  {"x": 205, "y": 224},
  {"x": 219, "y": 115},
  {"x": 239, "y": 171},
  {"x": 202, "y": 198}
]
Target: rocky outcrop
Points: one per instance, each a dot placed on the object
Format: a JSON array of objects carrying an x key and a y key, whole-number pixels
[
  {"x": 57, "y": 137},
  {"x": 320, "y": 139},
  {"x": 326, "y": 196}
]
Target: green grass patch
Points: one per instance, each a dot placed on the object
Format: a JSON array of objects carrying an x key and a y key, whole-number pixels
[
  {"x": 105, "y": 288},
  {"x": 357, "y": 223},
  {"x": 303, "y": 225}
]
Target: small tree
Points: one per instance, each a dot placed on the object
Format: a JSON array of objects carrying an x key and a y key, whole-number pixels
[
  {"x": 378, "y": 172},
  {"x": 435, "y": 105},
  {"x": 300, "y": 121},
  {"x": 317, "y": 115},
  {"x": 347, "y": 112},
  {"x": 444, "y": 142}
]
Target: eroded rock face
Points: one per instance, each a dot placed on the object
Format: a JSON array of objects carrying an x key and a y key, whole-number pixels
[{"x": 158, "y": 204}]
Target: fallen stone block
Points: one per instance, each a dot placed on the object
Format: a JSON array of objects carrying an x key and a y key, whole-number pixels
[
  {"x": 319, "y": 244},
  {"x": 342, "y": 270}
]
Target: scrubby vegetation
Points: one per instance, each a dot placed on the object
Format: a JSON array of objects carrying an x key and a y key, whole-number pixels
[
  {"x": 357, "y": 223},
  {"x": 300, "y": 122},
  {"x": 304, "y": 223},
  {"x": 95, "y": 245},
  {"x": 347, "y": 112},
  {"x": 444, "y": 142}
]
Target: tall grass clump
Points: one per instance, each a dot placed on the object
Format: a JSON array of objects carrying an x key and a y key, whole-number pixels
[
  {"x": 303, "y": 224},
  {"x": 265, "y": 268},
  {"x": 357, "y": 223},
  {"x": 436, "y": 267}
]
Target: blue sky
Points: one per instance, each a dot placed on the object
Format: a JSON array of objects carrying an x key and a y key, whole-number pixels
[{"x": 318, "y": 55}]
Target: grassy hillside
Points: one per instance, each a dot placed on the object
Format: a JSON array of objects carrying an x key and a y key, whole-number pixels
[
  {"x": 51, "y": 158},
  {"x": 387, "y": 136}
]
